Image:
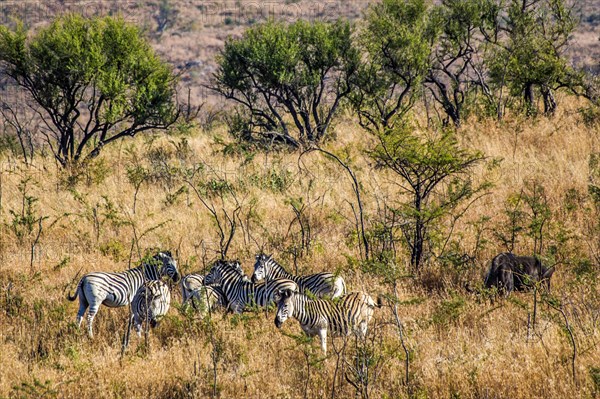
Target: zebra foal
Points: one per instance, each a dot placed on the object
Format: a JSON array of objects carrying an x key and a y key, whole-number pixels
[
  {"x": 150, "y": 303},
  {"x": 351, "y": 313},
  {"x": 118, "y": 289},
  {"x": 323, "y": 284},
  {"x": 239, "y": 292}
]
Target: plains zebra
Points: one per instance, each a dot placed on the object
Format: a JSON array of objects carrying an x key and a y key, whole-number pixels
[
  {"x": 319, "y": 284},
  {"x": 239, "y": 292},
  {"x": 150, "y": 303},
  {"x": 202, "y": 297},
  {"x": 118, "y": 289},
  {"x": 351, "y": 313}
]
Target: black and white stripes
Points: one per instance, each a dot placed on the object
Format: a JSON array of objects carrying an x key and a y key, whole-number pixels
[
  {"x": 118, "y": 289},
  {"x": 241, "y": 293},
  {"x": 351, "y": 313},
  {"x": 150, "y": 303},
  {"x": 323, "y": 284},
  {"x": 227, "y": 285}
]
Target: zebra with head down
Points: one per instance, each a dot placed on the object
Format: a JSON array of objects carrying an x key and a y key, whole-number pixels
[
  {"x": 323, "y": 284},
  {"x": 202, "y": 297},
  {"x": 118, "y": 289},
  {"x": 239, "y": 292},
  {"x": 351, "y": 313}
]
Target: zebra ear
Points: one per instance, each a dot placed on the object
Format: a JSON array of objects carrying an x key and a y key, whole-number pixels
[{"x": 281, "y": 294}]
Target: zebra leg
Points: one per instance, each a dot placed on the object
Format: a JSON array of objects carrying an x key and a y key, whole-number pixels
[
  {"x": 323, "y": 336},
  {"x": 83, "y": 305},
  {"x": 90, "y": 317},
  {"x": 137, "y": 324}
]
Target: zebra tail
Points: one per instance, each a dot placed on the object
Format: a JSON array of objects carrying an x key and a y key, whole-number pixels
[
  {"x": 379, "y": 303},
  {"x": 72, "y": 298}
]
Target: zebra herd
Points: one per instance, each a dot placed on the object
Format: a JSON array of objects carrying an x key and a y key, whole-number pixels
[{"x": 309, "y": 299}]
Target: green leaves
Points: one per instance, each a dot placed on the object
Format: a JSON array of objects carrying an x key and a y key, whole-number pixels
[
  {"x": 92, "y": 77},
  {"x": 396, "y": 40},
  {"x": 433, "y": 173},
  {"x": 531, "y": 54},
  {"x": 281, "y": 73}
]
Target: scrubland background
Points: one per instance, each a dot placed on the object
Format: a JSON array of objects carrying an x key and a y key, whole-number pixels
[{"x": 459, "y": 344}]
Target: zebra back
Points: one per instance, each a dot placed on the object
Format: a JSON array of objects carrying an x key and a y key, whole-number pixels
[
  {"x": 202, "y": 297},
  {"x": 319, "y": 284},
  {"x": 239, "y": 293},
  {"x": 190, "y": 283},
  {"x": 351, "y": 313}
]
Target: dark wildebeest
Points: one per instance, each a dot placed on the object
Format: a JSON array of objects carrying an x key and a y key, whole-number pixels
[{"x": 509, "y": 272}]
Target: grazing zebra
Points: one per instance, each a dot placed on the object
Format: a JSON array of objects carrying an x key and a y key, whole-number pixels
[
  {"x": 240, "y": 292},
  {"x": 319, "y": 284},
  {"x": 150, "y": 303},
  {"x": 351, "y": 313},
  {"x": 194, "y": 291},
  {"x": 118, "y": 289}
]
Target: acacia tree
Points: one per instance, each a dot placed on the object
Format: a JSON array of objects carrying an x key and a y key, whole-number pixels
[
  {"x": 93, "y": 81},
  {"x": 287, "y": 77},
  {"x": 433, "y": 171},
  {"x": 465, "y": 28},
  {"x": 396, "y": 42},
  {"x": 531, "y": 56}
]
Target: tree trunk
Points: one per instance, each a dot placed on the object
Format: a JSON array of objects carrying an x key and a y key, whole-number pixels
[{"x": 529, "y": 99}]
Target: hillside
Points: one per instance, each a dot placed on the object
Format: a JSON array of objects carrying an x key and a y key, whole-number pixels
[{"x": 196, "y": 31}]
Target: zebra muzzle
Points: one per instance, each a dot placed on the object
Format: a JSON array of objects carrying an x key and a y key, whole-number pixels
[{"x": 278, "y": 323}]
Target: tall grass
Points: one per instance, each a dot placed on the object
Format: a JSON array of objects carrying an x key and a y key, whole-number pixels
[{"x": 459, "y": 344}]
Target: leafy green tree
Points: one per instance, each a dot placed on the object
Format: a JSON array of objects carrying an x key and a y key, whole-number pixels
[
  {"x": 531, "y": 56},
  {"x": 94, "y": 81},
  {"x": 396, "y": 40},
  {"x": 288, "y": 76},
  {"x": 433, "y": 171}
]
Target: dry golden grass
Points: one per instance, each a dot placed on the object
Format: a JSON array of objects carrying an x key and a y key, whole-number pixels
[{"x": 460, "y": 345}]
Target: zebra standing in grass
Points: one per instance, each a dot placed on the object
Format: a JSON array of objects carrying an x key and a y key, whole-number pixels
[
  {"x": 150, "y": 303},
  {"x": 351, "y": 313},
  {"x": 195, "y": 292},
  {"x": 319, "y": 284},
  {"x": 118, "y": 289},
  {"x": 240, "y": 292}
]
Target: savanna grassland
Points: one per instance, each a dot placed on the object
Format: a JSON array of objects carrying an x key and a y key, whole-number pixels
[
  {"x": 192, "y": 188},
  {"x": 459, "y": 344}
]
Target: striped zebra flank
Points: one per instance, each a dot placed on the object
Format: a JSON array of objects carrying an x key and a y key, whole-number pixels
[
  {"x": 321, "y": 285},
  {"x": 350, "y": 314},
  {"x": 203, "y": 298},
  {"x": 239, "y": 292},
  {"x": 150, "y": 303},
  {"x": 118, "y": 289}
]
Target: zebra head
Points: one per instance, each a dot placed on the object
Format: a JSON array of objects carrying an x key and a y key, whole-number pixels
[
  {"x": 285, "y": 306},
  {"x": 260, "y": 267},
  {"x": 169, "y": 265},
  {"x": 222, "y": 269}
]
